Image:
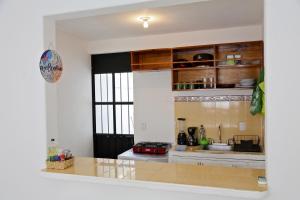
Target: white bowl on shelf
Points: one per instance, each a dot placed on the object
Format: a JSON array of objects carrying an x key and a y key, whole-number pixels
[{"x": 247, "y": 81}]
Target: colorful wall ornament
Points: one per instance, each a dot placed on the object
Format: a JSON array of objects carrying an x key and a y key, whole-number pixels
[{"x": 51, "y": 66}]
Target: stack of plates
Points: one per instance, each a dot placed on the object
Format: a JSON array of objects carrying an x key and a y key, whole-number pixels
[{"x": 246, "y": 83}]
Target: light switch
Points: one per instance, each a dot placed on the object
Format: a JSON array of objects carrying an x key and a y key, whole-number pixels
[
  {"x": 242, "y": 126},
  {"x": 144, "y": 126}
]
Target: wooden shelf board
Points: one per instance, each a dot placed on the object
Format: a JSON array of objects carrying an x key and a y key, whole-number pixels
[
  {"x": 209, "y": 46},
  {"x": 152, "y": 50},
  {"x": 202, "y": 89},
  {"x": 235, "y": 66},
  {"x": 149, "y": 70},
  {"x": 158, "y": 63},
  {"x": 192, "y": 61},
  {"x": 185, "y": 62},
  {"x": 193, "y": 68},
  {"x": 193, "y": 83},
  {"x": 242, "y": 59},
  {"x": 205, "y": 89}
]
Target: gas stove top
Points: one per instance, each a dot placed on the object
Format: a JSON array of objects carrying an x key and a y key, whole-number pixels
[{"x": 151, "y": 147}]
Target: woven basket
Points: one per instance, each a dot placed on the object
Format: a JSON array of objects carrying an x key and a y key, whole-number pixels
[{"x": 60, "y": 164}]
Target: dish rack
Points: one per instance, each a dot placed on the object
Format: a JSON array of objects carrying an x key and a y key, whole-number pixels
[{"x": 246, "y": 143}]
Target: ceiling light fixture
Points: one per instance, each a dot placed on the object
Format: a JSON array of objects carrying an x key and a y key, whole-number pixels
[{"x": 145, "y": 20}]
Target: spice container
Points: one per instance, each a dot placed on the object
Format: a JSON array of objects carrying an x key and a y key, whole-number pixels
[
  {"x": 204, "y": 82},
  {"x": 238, "y": 60},
  {"x": 211, "y": 82},
  {"x": 230, "y": 60},
  {"x": 192, "y": 85}
]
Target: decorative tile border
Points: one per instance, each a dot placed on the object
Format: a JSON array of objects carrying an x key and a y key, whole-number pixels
[{"x": 213, "y": 98}]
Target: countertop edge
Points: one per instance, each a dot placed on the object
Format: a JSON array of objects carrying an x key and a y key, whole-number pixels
[
  {"x": 224, "y": 192},
  {"x": 231, "y": 156}
]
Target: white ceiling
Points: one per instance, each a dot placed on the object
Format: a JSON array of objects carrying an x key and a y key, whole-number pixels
[{"x": 212, "y": 14}]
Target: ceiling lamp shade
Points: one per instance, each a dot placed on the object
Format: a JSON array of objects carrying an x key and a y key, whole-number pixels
[{"x": 145, "y": 20}]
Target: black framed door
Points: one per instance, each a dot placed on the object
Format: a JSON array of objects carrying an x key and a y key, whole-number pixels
[{"x": 112, "y": 88}]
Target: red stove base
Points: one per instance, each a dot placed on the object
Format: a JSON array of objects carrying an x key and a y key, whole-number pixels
[{"x": 151, "y": 148}]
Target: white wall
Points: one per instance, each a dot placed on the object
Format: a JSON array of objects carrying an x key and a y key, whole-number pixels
[
  {"x": 51, "y": 89},
  {"x": 23, "y": 107},
  {"x": 74, "y": 96},
  {"x": 153, "y": 107},
  {"x": 282, "y": 39},
  {"x": 213, "y": 36}
]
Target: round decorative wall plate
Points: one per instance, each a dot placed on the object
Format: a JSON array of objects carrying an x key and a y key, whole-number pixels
[{"x": 51, "y": 66}]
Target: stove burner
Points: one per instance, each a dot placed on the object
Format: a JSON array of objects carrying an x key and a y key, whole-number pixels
[{"x": 151, "y": 147}]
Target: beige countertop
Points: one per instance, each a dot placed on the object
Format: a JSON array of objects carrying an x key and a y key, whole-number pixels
[
  {"x": 198, "y": 149},
  {"x": 184, "y": 174},
  {"x": 198, "y": 152}
]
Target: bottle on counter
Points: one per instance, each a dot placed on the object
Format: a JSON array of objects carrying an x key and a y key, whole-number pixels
[
  {"x": 203, "y": 141},
  {"x": 52, "y": 150}
]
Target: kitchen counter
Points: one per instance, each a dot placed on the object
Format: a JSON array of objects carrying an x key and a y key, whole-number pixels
[
  {"x": 196, "y": 151},
  {"x": 225, "y": 181},
  {"x": 129, "y": 155}
]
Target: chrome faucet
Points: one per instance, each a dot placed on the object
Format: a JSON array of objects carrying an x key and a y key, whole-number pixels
[{"x": 220, "y": 134}]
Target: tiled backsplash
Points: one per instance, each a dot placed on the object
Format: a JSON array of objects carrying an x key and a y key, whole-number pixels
[{"x": 228, "y": 111}]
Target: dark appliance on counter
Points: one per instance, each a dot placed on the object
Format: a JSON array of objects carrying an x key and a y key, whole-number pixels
[
  {"x": 246, "y": 143},
  {"x": 181, "y": 138},
  {"x": 151, "y": 147},
  {"x": 202, "y": 57},
  {"x": 192, "y": 139}
]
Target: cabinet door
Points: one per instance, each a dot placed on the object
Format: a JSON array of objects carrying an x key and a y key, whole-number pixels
[
  {"x": 235, "y": 163},
  {"x": 217, "y": 162},
  {"x": 257, "y": 164},
  {"x": 183, "y": 160},
  {"x": 194, "y": 160}
]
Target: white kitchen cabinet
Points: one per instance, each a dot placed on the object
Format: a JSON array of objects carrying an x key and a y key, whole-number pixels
[{"x": 212, "y": 159}]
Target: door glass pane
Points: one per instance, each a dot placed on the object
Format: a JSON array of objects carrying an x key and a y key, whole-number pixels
[
  {"x": 111, "y": 122},
  {"x": 104, "y": 87},
  {"x": 97, "y": 88},
  {"x": 104, "y": 119},
  {"x": 131, "y": 119},
  {"x": 124, "y": 87},
  {"x": 125, "y": 121},
  {"x": 118, "y": 119},
  {"x": 98, "y": 119},
  {"x": 130, "y": 86},
  {"x": 109, "y": 88},
  {"x": 105, "y": 115},
  {"x": 117, "y": 87}
]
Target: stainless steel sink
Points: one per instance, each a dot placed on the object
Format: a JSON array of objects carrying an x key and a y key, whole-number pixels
[{"x": 220, "y": 147}]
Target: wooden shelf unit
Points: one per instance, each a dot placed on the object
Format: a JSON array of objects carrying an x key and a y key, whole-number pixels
[{"x": 247, "y": 66}]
